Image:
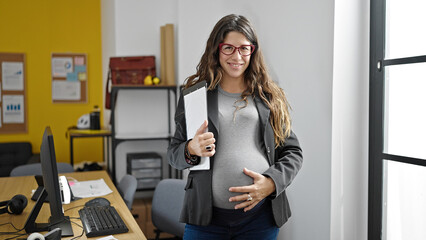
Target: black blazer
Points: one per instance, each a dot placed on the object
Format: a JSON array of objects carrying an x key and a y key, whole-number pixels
[{"x": 284, "y": 161}]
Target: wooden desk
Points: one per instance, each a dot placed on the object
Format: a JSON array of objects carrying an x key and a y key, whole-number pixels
[
  {"x": 10, "y": 186},
  {"x": 85, "y": 133}
]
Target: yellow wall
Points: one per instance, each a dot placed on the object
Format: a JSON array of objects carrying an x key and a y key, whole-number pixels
[{"x": 38, "y": 29}]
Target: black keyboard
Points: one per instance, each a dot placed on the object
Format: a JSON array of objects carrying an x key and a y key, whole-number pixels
[{"x": 101, "y": 221}]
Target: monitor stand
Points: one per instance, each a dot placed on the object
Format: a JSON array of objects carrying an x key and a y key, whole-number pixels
[
  {"x": 64, "y": 225},
  {"x": 31, "y": 226}
]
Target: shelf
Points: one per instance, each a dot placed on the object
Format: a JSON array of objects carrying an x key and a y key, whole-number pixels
[
  {"x": 147, "y": 87},
  {"x": 138, "y": 136},
  {"x": 123, "y": 133}
]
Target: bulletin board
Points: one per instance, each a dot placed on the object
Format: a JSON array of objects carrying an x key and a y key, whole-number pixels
[
  {"x": 13, "y": 93},
  {"x": 69, "y": 78}
]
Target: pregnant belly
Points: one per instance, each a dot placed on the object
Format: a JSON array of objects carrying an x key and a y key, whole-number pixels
[{"x": 230, "y": 174}]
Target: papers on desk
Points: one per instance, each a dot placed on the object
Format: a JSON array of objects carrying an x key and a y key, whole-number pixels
[
  {"x": 110, "y": 237},
  {"x": 195, "y": 99},
  {"x": 93, "y": 188}
]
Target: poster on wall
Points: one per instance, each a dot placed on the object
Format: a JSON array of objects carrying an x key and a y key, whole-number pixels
[
  {"x": 13, "y": 108},
  {"x": 66, "y": 90},
  {"x": 61, "y": 66},
  {"x": 69, "y": 78},
  {"x": 13, "y": 93},
  {"x": 12, "y": 76}
]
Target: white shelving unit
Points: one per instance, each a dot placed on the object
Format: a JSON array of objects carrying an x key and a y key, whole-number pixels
[{"x": 140, "y": 117}]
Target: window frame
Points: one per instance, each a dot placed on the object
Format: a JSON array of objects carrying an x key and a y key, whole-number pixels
[{"x": 376, "y": 155}]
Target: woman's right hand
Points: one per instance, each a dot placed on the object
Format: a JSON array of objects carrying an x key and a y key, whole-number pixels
[{"x": 198, "y": 145}]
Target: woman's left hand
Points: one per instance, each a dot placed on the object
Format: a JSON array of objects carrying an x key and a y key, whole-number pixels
[{"x": 252, "y": 194}]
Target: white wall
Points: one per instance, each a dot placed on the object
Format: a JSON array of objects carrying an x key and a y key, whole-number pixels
[
  {"x": 297, "y": 38},
  {"x": 349, "y": 199},
  {"x": 108, "y": 44}
]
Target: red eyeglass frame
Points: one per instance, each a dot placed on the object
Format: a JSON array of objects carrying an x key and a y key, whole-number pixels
[{"x": 235, "y": 48}]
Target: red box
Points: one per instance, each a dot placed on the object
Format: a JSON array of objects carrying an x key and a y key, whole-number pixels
[{"x": 128, "y": 71}]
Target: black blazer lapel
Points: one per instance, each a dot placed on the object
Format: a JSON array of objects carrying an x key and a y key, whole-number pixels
[
  {"x": 213, "y": 112},
  {"x": 266, "y": 129}
]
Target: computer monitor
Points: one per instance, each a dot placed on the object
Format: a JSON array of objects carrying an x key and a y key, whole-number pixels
[{"x": 51, "y": 191}]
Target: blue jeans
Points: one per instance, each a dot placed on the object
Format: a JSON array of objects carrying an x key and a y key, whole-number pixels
[{"x": 260, "y": 226}]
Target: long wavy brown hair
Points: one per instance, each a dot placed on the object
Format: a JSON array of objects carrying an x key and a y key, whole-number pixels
[{"x": 256, "y": 76}]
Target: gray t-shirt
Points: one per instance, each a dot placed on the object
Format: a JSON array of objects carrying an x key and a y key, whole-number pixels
[{"x": 238, "y": 146}]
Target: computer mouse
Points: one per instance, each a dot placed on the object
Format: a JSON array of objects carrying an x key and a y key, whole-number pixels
[{"x": 97, "y": 202}]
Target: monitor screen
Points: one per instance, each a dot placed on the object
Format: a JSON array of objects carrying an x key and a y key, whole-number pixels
[
  {"x": 50, "y": 175},
  {"x": 51, "y": 190}
]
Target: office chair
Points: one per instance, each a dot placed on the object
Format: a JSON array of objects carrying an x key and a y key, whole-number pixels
[
  {"x": 127, "y": 189},
  {"x": 167, "y": 204},
  {"x": 13, "y": 154},
  {"x": 35, "y": 169}
]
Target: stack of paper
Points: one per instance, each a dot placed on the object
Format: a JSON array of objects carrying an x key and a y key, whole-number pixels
[{"x": 94, "y": 188}]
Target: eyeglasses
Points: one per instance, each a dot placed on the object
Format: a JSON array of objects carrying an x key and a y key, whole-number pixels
[{"x": 229, "y": 49}]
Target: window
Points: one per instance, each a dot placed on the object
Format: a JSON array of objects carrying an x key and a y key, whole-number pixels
[{"x": 397, "y": 125}]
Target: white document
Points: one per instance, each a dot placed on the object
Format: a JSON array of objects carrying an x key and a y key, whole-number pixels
[
  {"x": 110, "y": 237},
  {"x": 13, "y": 108},
  {"x": 61, "y": 66},
  {"x": 195, "y": 99},
  {"x": 66, "y": 90},
  {"x": 93, "y": 188},
  {"x": 13, "y": 76}
]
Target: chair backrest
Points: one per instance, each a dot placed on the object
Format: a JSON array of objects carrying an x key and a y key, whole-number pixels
[
  {"x": 167, "y": 205},
  {"x": 127, "y": 188},
  {"x": 35, "y": 169}
]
